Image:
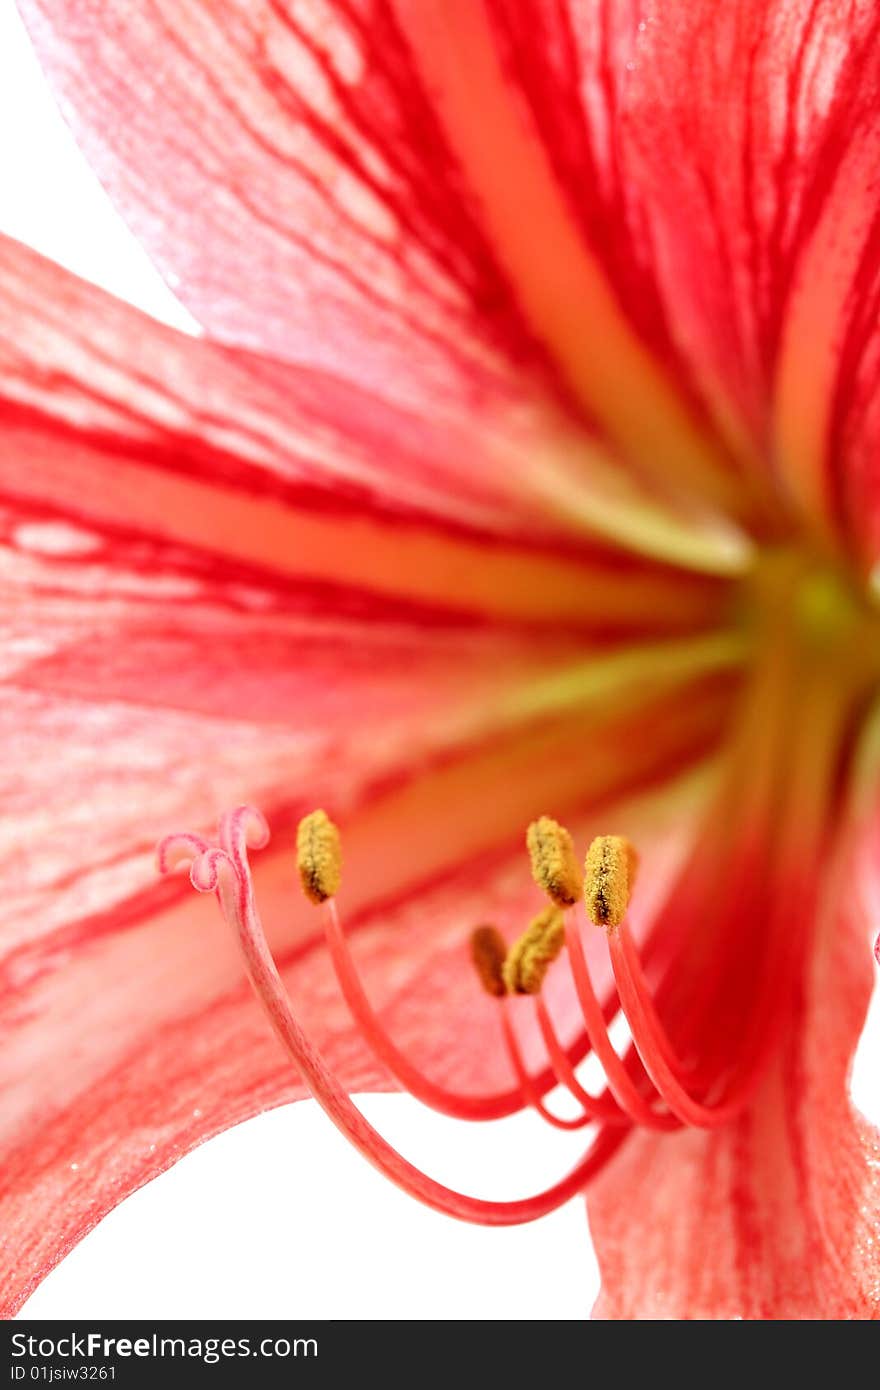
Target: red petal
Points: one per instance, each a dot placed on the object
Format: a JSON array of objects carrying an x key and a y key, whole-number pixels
[
  {"x": 750, "y": 135},
  {"x": 182, "y": 573},
  {"x": 345, "y": 186},
  {"x": 174, "y": 644},
  {"x": 291, "y": 472},
  {"x": 310, "y": 185},
  {"x": 722, "y": 161},
  {"x": 288, "y": 173},
  {"x": 777, "y": 1216}
]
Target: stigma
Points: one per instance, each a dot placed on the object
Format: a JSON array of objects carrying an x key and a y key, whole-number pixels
[{"x": 650, "y": 1085}]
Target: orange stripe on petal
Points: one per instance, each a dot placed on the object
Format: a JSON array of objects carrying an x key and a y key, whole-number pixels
[
  {"x": 116, "y": 421},
  {"x": 561, "y": 288},
  {"x": 814, "y": 328},
  {"x": 385, "y": 555}
]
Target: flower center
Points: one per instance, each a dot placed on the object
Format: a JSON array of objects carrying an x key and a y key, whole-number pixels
[{"x": 817, "y": 605}]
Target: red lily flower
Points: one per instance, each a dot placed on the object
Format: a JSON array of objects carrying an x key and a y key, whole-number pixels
[{"x": 528, "y": 466}]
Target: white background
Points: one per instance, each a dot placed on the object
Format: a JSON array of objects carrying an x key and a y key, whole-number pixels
[{"x": 279, "y": 1218}]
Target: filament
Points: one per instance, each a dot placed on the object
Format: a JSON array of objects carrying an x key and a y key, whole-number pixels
[
  {"x": 602, "y": 1107},
  {"x": 522, "y": 1076}
]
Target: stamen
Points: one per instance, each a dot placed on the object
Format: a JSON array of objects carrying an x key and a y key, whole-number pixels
[
  {"x": 650, "y": 1073},
  {"x": 318, "y": 856},
  {"x": 488, "y": 952},
  {"x": 529, "y": 958},
  {"x": 554, "y": 866},
  {"x": 225, "y": 872},
  {"x": 609, "y": 874}
]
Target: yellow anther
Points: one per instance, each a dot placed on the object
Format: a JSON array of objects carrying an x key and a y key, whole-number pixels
[
  {"x": 610, "y": 872},
  {"x": 554, "y": 866},
  {"x": 318, "y": 856},
  {"x": 488, "y": 951},
  {"x": 529, "y": 958}
]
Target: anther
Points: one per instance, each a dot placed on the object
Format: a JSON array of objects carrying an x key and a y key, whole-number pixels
[
  {"x": 554, "y": 866},
  {"x": 488, "y": 952},
  {"x": 318, "y": 856},
  {"x": 610, "y": 871},
  {"x": 529, "y": 958}
]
